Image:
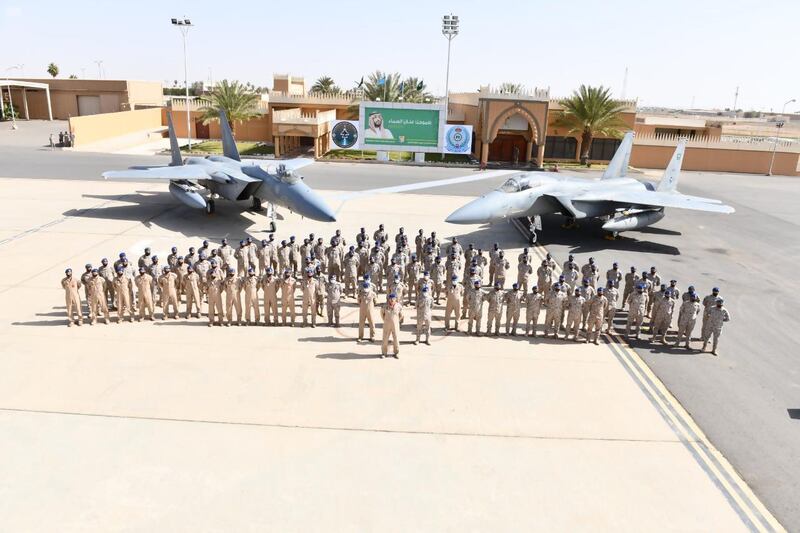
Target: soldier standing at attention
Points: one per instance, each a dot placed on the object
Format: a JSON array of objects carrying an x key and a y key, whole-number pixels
[
  {"x": 392, "y": 314},
  {"x": 72, "y": 297},
  {"x": 717, "y": 316}
]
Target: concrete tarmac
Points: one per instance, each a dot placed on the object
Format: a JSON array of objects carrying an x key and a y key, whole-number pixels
[{"x": 174, "y": 425}]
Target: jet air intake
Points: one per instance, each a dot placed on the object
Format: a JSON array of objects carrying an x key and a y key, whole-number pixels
[{"x": 634, "y": 220}]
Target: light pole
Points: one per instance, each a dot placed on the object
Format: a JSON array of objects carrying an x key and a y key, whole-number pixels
[
  {"x": 778, "y": 126},
  {"x": 184, "y": 25},
  {"x": 10, "y": 101},
  {"x": 99, "y": 63},
  {"x": 449, "y": 30}
]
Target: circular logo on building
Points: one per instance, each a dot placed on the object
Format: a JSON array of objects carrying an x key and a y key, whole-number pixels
[
  {"x": 344, "y": 134},
  {"x": 457, "y": 139}
]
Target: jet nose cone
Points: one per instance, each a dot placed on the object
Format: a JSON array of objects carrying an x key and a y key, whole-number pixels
[
  {"x": 311, "y": 205},
  {"x": 474, "y": 212}
]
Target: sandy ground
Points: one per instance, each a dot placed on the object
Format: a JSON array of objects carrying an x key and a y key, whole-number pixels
[{"x": 177, "y": 426}]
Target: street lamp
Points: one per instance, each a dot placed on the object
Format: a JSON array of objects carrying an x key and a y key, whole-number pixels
[
  {"x": 778, "y": 126},
  {"x": 99, "y": 63},
  {"x": 10, "y": 101},
  {"x": 449, "y": 30},
  {"x": 184, "y": 25}
]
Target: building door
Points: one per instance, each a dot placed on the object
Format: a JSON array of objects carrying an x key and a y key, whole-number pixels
[
  {"x": 502, "y": 148},
  {"x": 88, "y": 105},
  {"x": 201, "y": 130}
]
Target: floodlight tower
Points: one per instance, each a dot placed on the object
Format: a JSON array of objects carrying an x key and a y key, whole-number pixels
[
  {"x": 184, "y": 25},
  {"x": 778, "y": 126},
  {"x": 449, "y": 30}
]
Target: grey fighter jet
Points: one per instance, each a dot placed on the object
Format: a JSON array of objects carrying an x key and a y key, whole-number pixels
[
  {"x": 622, "y": 202},
  {"x": 227, "y": 176}
]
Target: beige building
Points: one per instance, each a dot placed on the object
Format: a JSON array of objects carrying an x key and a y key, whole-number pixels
[{"x": 72, "y": 98}]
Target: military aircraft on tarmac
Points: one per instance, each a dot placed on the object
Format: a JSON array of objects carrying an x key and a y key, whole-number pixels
[
  {"x": 227, "y": 176},
  {"x": 623, "y": 203}
]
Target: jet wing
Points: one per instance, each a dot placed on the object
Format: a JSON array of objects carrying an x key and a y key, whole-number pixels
[
  {"x": 185, "y": 172},
  {"x": 656, "y": 199},
  {"x": 477, "y": 176}
]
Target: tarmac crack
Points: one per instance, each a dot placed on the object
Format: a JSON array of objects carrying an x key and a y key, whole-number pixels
[{"x": 337, "y": 428}]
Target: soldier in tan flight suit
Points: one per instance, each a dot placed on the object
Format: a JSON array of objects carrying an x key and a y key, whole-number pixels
[
  {"x": 144, "y": 284},
  {"x": 513, "y": 301},
  {"x": 288, "y": 287},
  {"x": 392, "y": 314},
  {"x": 250, "y": 286},
  {"x": 97, "y": 298},
  {"x": 232, "y": 286},
  {"x": 269, "y": 284},
  {"x": 366, "y": 309},
  {"x": 216, "y": 315},
  {"x": 122, "y": 291},
  {"x": 191, "y": 288},
  {"x": 454, "y": 302},
  {"x": 72, "y": 298},
  {"x": 169, "y": 293},
  {"x": 533, "y": 305},
  {"x": 310, "y": 286},
  {"x": 495, "y": 299},
  {"x": 598, "y": 306}
]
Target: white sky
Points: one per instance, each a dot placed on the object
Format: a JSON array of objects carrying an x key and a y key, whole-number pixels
[{"x": 678, "y": 52}]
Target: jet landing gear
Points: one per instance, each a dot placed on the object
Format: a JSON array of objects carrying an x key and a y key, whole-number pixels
[
  {"x": 210, "y": 206},
  {"x": 611, "y": 235},
  {"x": 272, "y": 215},
  {"x": 257, "y": 204}
]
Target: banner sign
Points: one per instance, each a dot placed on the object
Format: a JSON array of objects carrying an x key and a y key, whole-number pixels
[
  {"x": 345, "y": 135},
  {"x": 401, "y": 127},
  {"x": 457, "y": 139}
]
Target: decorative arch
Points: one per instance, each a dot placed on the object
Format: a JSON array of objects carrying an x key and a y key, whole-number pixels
[{"x": 514, "y": 110}]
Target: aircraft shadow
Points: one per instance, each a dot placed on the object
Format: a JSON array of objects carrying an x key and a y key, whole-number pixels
[
  {"x": 589, "y": 237},
  {"x": 160, "y": 209}
]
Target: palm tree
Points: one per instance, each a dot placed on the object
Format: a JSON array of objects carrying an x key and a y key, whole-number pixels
[
  {"x": 325, "y": 84},
  {"x": 413, "y": 90},
  {"x": 238, "y": 102},
  {"x": 383, "y": 87},
  {"x": 73, "y": 77},
  {"x": 590, "y": 112},
  {"x": 509, "y": 87},
  {"x": 52, "y": 69}
]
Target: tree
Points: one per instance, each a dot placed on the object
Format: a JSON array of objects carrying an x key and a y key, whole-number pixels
[
  {"x": 52, "y": 69},
  {"x": 413, "y": 90},
  {"x": 590, "y": 111},
  {"x": 381, "y": 86},
  {"x": 73, "y": 77},
  {"x": 238, "y": 102},
  {"x": 325, "y": 84},
  {"x": 509, "y": 87}
]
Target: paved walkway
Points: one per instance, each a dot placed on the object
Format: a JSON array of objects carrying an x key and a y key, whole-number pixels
[{"x": 176, "y": 426}]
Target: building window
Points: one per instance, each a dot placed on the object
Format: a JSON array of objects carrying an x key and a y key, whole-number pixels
[
  {"x": 603, "y": 149},
  {"x": 560, "y": 147}
]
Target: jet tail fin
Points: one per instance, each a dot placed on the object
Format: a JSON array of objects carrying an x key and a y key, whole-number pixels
[
  {"x": 173, "y": 143},
  {"x": 618, "y": 166},
  {"x": 669, "y": 181},
  {"x": 228, "y": 144}
]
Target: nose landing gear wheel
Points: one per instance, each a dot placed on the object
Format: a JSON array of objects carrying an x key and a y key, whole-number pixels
[
  {"x": 210, "y": 207},
  {"x": 256, "y": 204}
]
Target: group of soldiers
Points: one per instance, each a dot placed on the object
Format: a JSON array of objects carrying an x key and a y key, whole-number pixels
[{"x": 578, "y": 302}]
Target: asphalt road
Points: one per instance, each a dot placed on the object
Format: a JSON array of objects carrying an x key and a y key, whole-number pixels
[{"x": 748, "y": 399}]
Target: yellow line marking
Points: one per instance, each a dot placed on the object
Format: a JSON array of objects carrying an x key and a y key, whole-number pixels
[{"x": 724, "y": 472}]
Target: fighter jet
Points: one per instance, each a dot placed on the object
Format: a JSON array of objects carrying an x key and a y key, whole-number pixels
[
  {"x": 227, "y": 176},
  {"x": 622, "y": 202}
]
